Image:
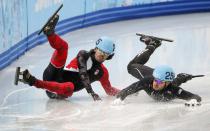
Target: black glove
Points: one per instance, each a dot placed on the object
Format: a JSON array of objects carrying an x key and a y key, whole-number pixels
[
  {"x": 184, "y": 77},
  {"x": 95, "y": 96}
]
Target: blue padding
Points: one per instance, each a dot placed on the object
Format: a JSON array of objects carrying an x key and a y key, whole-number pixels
[{"x": 105, "y": 16}]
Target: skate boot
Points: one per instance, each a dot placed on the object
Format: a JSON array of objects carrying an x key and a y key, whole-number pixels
[
  {"x": 145, "y": 40},
  {"x": 154, "y": 43},
  {"x": 150, "y": 41},
  {"x": 27, "y": 78},
  {"x": 50, "y": 27}
]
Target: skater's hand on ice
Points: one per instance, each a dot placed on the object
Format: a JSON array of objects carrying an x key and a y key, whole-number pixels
[
  {"x": 192, "y": 103},
  {"x": 95, "y": 97},
  {"x": 184, "y": 77},
  {"x": 118, "y": 101}
]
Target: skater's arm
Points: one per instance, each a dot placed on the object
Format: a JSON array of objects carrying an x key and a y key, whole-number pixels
[
  {"x": 106, "y": 83},
  {"x": 133, "y": 88},
  {"x": 82, "y": 65},
  {"x": 186, "y": 95},
  {"x": 181, "y": 78}
]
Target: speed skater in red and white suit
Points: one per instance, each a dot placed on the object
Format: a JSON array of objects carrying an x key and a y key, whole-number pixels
[{"x": 86, "y": 68}]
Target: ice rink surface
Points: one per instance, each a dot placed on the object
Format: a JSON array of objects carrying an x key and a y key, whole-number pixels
[{"x": 25, "y": 108}]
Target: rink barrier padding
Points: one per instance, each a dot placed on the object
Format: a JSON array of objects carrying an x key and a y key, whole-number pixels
[{"x": 105, "y": 16}]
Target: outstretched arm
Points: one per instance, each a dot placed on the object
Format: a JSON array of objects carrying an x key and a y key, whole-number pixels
[
  {"x": 109, "y": 89},
  {"x": 181, "y": 78},
  {"x": 185, "y": 95},
  {"x": 133, "y": 88},
  {"x": 82, "y": 65}
]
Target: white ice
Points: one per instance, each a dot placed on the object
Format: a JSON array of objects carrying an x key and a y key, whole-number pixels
[{"x": 28, "y": 108}]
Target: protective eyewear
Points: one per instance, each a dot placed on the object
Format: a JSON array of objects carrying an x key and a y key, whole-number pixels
[
  {"x": 104, "y": 54},
  {"x": 159, "y": 82}
]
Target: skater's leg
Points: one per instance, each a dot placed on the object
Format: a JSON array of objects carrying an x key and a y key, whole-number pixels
[
  {"x": 64, "y": 89},
  {"x": 144, "y": 56},
  {"x": 52, "y": 73},
  {"x": 139, "y": 71},
  {"x": 61, "y": 50},
  {"x": 54, "y": 70},
  {"x": 136, "y": 66},
  {"x": 61, "y": 47}
]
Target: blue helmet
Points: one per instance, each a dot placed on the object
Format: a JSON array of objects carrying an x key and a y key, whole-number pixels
[
  {"x": 164, "y": 73},
  {"x": 106, "y": 45}
]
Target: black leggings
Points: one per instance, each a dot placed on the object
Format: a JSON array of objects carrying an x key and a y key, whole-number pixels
[
  {"x": 52, "y": 73},
  {"x": 136, "y": 66}
]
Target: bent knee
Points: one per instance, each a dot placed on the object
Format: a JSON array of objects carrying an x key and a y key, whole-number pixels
[
  {"x": 65, "y": 45},
  {"x": 129, "y": 68}
]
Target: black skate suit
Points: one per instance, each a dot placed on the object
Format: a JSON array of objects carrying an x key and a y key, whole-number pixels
[{"x": 144, "y": 73}]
